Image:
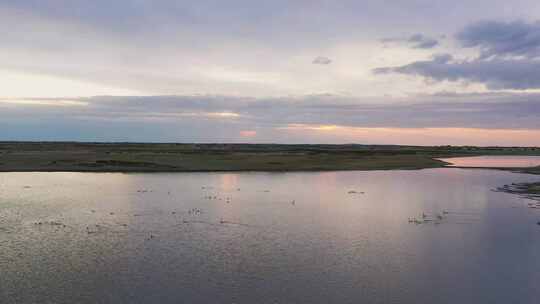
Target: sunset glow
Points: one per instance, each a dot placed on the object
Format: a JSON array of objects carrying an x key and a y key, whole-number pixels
[{"x": 322, "y": 73}]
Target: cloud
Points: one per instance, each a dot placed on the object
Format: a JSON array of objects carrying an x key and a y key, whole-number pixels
[
  {"x": 421, "y": 111},
  {"x": 419, "y": 41},
  {"x": 213, "y": 47},
  {"x": 327, "y": 118},
  {"x": 509, "y": 57},
  {"x": 322, "y": 60},
  {"x": 416, "y": 41},
  {"x": 497, "y": 39},
  {"x": 496, "y": 74},
  {"x": 43, "y": 102}
]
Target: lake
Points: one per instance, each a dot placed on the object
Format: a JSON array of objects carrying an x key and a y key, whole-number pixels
[
  {"x": 313, "y": 237},
  {"x": 494, "y": 161}
]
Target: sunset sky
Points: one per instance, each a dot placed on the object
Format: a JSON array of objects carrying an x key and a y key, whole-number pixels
[{"x": 375, "y": 72}]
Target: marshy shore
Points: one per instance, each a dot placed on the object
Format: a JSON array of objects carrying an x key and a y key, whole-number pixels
[{"x": 172, "y": 157}]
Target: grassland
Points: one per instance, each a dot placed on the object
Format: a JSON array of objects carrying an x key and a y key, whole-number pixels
[{"x": 170, "y": 157}]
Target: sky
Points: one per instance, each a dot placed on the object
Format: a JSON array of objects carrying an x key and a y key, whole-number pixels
[{"x": 413, "y": 72}]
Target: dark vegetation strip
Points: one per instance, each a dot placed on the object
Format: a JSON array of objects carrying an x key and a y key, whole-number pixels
[{"x": 178, "y": 157}]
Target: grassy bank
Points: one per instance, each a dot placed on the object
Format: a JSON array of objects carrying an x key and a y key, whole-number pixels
[{"x": 168, "y": 157}]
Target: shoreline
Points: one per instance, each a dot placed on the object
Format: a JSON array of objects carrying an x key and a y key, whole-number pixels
[
  {"x": 519, "y": 170},
  {"x": 271, "y": 158},
  {"x": 292, "y": 170},
  {"x": 189, "y": 157}
]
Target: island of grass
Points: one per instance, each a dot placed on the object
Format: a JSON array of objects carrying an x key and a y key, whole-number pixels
[
  {"x": 173, "y": 157},
  {"x": 528, "y": 190}
]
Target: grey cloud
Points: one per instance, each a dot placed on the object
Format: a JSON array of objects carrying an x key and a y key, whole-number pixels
[
  {"x": 442, "y": 58},
  {"x": 419, "y": 41},
  {"x": 496, "y": 74},
  {"x": 322, "y": 60},
  {"x": 509, "y": 57},
  {"x": 203, "y": 22},
  {"x": 416, "y": 41},
  {"x": 318, "y": 22},
  {"x": 160, "y": 47},
  {"x": 502, "y": 39},
  {"x": 193, "y": 116}
]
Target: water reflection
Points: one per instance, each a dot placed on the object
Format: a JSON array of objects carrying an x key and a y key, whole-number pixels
[
  {"x": 229, "y": 181},
  {"x": 330, "y": 246},
  {"x": 494, "y": 161}
]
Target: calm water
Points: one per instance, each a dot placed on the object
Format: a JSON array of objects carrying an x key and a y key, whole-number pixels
[
  {"x": 281, "y": 238},
  {"x": 494, "y": 161}
]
